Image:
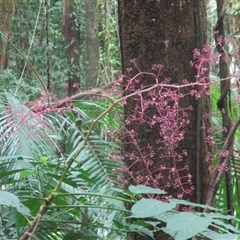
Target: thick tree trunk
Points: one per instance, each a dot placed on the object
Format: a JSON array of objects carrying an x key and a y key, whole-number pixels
[
  {"x": 6, "y": 13},
  {"x": 165, "y": 32},
  {"x": 92, "y": 42},
  {"x": 72, "y": 38}
]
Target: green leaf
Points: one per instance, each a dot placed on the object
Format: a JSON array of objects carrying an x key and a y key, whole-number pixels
[
  {"x": 26, "y": 173},
  {"x": 23, "y": 210},
  {"x": 118, "y": 224},
  {"x": 184, "y": 202},
  {"x": 55, "y": 137},
  {"x": 226, "y": 226},
  {"x": 65, "y": 180},
  {"x": 146, "y": 223},
  {"x": 84, "y": 176},
  {"x": 141, "y": 189},
  {"x": 217, "y": 236},
  {"x": 72, "y": 235},
  {"x": 9, "y": 173},
  {"x": 8, "y": 199},
  {"x": 44, "y": 160},
  {"x": 150, "y": 208},
  {"x": 164, "y": 217},
  {"x": 185, "y": 225},
  {"x": 142, "y": 230}
]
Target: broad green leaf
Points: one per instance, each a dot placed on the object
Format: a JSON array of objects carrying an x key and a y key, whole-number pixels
[
  {"x": 221, "y": 216},
  {"x": 172, "y": 233},
  {"x": 143, "y": 230},
  {"x": 226, "y": 226},
  {"x": 184, "y": 202},
  {"x": 149, "y": 208},
  {"x": 147, "y": 232},
  {"x": 147, "y": 223},
  {"x": 23, "y": 210},
  {"x": 217, "y": 236},
  {"x": 122, "y": 191},
  {"x": 186, "y": 225},
  {"x": 116, "y": 203},
  {"x": 164, "y": 217},
  {"x": 8, "y": 199},
  {"x": 141, "y": 189}
]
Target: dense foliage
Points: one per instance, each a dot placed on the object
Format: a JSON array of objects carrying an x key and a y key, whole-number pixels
[{"x": 62, "y": 169}]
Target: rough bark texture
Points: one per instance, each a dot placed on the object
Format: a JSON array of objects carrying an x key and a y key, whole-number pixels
[
  {"x": 92, "y": 42},
  {"x": 166, "y": 32},
  {"x": 72, "y": 38},
  {"x": 6, "y": 13}
]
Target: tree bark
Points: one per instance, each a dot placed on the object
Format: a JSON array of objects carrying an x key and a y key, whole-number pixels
[
  {"x": 92, "y": 42},
  {"x": 72, "y": 38},
  {"x": 6, "y": 13},
  {"x": 165, "y": 32}
]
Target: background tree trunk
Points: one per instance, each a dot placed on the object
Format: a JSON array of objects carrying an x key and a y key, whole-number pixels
[
  {"x": 6, "y": 13},
  {"x": 166, "y": 32},
  {"x": 92, "y": 42},
  {"x": 72, "y": 38}
]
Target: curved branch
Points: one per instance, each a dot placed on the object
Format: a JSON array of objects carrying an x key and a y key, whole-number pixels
[
  {"x": 28, "y": 62},
  {"x": 223, "y": 160}
]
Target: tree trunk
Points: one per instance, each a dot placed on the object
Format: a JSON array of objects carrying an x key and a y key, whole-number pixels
[
  {"x": 6, "y": 13},
  {"x": 92, "y": 42},
  {"x": 164, "y": 32},
  {"x": 72, "y": 38}
]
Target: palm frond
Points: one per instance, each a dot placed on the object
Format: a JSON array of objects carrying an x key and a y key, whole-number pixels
[
  {"x": 24, "y": 134},
  {"x": 35, "y": 151}
]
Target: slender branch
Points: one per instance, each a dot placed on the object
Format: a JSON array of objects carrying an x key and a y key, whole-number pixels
[
  {"x": 28, "y": 62},
  {"x": 47, "y": 46},
  {"x": 81, "y": 223},
  {"x": 79, "y": 194},
  {"x": 95, "y": 195},
  {"x": 221, "y": 13},
  {"x": 101, "y": 92},
  {"x": 87, "y": 206},
  {"x": 223, "y": 160},
  {"x": 30, "y": 48}
]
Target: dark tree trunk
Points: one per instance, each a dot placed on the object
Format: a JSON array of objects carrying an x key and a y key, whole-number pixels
[
  {"x": 165, "y": 32},
  {"x": 92, "y": 42},
  {"x": 72, "y": 38},
  {"x": 6, "y": 13}
]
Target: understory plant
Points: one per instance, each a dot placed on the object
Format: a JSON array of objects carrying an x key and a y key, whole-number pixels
[{"x": 63, "y": 172}]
